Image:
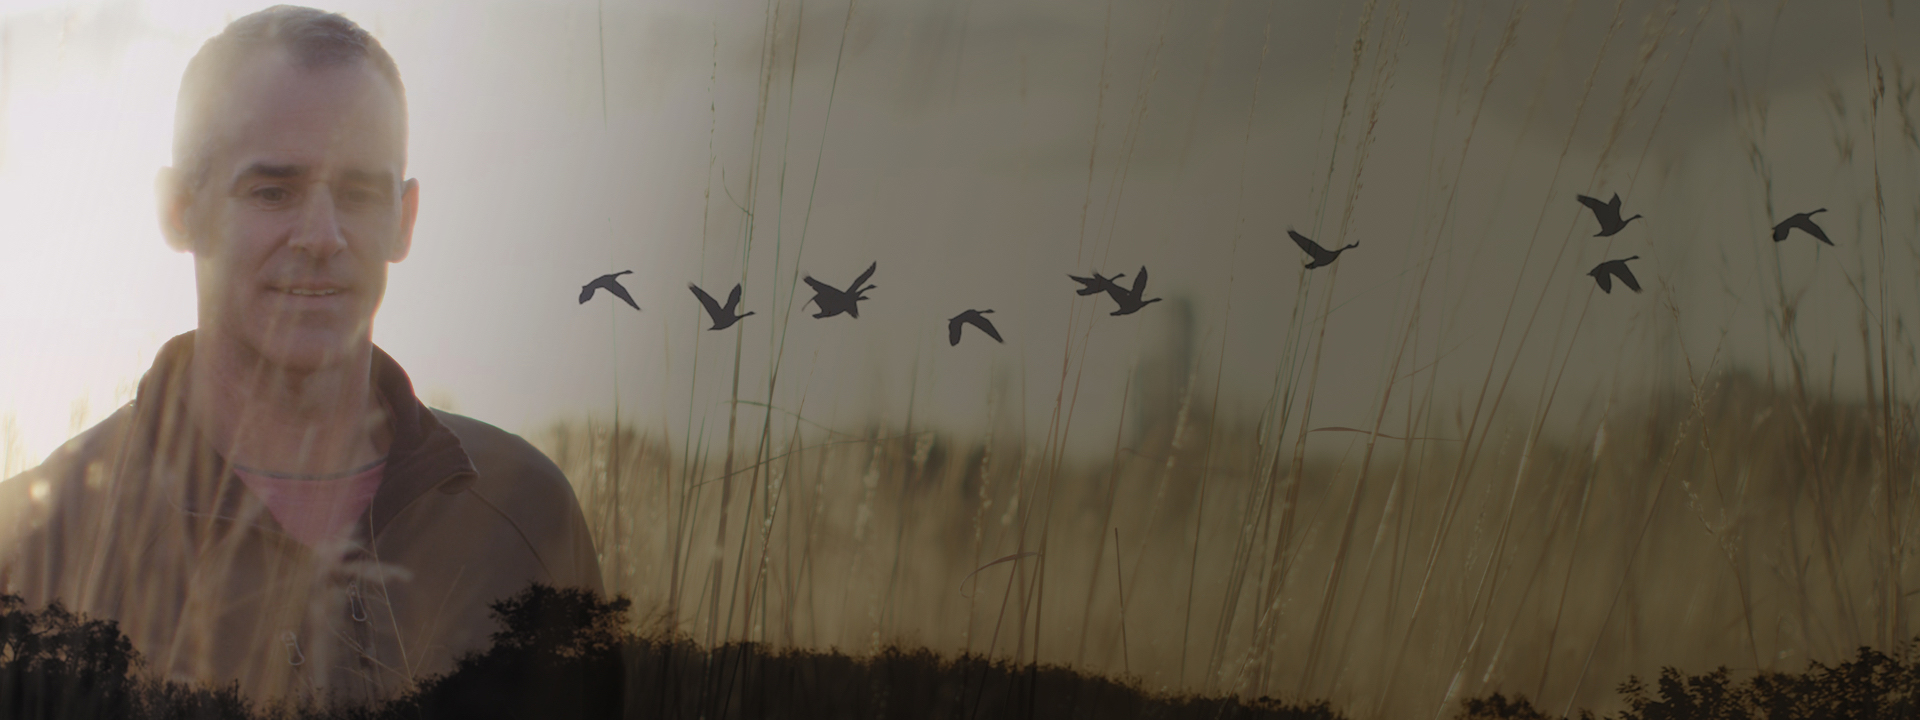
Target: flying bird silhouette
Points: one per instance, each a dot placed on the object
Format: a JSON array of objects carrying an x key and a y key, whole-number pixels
[
  {"x": 1608, "y": 213},
  {"x": 833, "y": 300},
  {"x": 1096, "y": 284},
  {"x": 1604, "y": 273},
  {"x": 609, "y": 283},
  {"x": 955, "y": 323},
  {"x": 1321, "y": 256},
  {"x": 1804, "y": 221},
  {"x": 1129, "y": 300},
  {"x": 723, "y": 317}
]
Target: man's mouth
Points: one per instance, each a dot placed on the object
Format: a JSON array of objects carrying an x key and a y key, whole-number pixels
[{"x": 309, "y": 291}]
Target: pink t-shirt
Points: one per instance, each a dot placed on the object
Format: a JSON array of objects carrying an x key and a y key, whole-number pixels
[{"x": 315, "y": 511}]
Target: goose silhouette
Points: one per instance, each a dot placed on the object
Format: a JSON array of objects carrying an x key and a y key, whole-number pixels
[
  {"x": 833, "y": 300},
  {"x": 609, "y": 283},
  {"x": 1608, "y": 213},
  {"x": 1096, "y": 284},
  {"x": 1321, "y": 256},
  {"x": 974, "y": 318},
  {"x": 1804, "y": 221},
  {"x": 723, "y": 317},
  {"x": 1606, "y": 271},
  {"x": 1129, "y": 300}
]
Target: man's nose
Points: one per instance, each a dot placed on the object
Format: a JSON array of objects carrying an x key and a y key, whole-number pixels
[{"x": 317, "y": 232}]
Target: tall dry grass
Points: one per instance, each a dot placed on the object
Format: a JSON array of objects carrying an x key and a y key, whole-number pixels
[
  {"x": 1729, "y": 525},
  {"x": 1744, "y": 513}
]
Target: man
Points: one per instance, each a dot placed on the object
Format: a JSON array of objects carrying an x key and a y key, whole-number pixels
[{"x": 276, "y": 507}]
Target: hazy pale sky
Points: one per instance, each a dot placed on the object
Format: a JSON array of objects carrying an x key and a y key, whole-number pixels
[{"x": 980, "y": 151}]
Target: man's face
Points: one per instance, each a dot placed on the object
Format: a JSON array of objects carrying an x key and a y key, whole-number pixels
[{"x": 302, "y": 206}]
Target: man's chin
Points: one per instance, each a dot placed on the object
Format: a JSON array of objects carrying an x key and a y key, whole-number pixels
[{"x": 311, "y": 351}]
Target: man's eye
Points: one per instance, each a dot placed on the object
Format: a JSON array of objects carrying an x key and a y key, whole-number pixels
[{"x": 273, "y": 194}]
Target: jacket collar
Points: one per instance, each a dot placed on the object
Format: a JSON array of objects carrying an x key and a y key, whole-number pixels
[{"x": 424, "y": 454}]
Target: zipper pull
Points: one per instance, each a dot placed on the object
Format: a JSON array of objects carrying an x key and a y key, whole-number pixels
[
  {"x": 355, "y": 603},
  {"x": 294, "y": 656}
]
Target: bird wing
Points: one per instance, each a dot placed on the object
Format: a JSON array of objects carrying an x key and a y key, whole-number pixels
[
  {"x": 953, "y": 329},
  {"x": 614, "y": 287},
  {"x": 1626, "y": 276},
  {"x": 1780, "y": 231},
  {"x": 586, "y": 292},
  {"x": 713, "y": 308},
  {"x": 1594, "y": 203},
  {"x": 733, "y": 299},
  {"x": 1601, "y": 276},
  {"x": 987, "y": 325},
  {"x": 820, "y": 288},
  {"x": 1140, "y": 283},
  {"x": 1615, "y": 202},
  {"x": 1306, "y": 245},
  {"x": 857, "y": 282},
  {"x": 1814, "y": 230}
]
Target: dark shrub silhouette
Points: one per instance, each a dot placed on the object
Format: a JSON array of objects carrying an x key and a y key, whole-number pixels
[
  {"x": 54, "y": 664},
  {"x": 1871, "y": 685},
  {"x": 558, "y": 655},
  {"x": 1498, "y": 707}
]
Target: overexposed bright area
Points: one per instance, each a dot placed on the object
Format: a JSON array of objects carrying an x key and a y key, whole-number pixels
[{"x": 88, "y": 289}]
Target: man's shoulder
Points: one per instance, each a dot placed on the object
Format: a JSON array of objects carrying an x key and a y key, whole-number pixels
[
  {"x": 531, "y": 493},
  {"x": 511, "y": 470}
]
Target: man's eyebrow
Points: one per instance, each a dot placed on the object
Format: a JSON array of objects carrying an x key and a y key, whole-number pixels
[
  {"x": 261, "y": 169},
  {"x": 269, "y": 170}
]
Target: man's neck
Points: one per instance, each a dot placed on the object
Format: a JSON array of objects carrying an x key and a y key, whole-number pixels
[{"x": 305, "y": 422}]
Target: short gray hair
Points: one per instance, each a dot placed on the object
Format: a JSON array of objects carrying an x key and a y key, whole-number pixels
[{"x": 313, "y": 38}]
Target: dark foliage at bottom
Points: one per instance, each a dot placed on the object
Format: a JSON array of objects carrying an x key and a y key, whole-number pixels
[
  {"x": 749, "y": 682},
  {"x": 558, "y": 654},
  {"x": 1871, "y": 685},
  {"x": 570, "y": 654},
  {"x": 55, "y": 664}
]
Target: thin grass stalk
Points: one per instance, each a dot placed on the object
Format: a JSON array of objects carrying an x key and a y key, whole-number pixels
[
  {"x": 1117, "y": 187},
  {"x": 1633, "y": 551},
  {"x": 901, "y": 476},
  {"x": 982, "y": 503},
  {"x": 1186, "y": 397},
  {"x": 1508, "y": 38},
  {"x": 1106, "y": 518},
  {"x": 718, "y": 627},
  {"x": 1894, "y": 622},
  {"x": 1383, "y": 73}
]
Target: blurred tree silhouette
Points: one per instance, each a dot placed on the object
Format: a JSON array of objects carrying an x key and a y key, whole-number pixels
[
  {"x": 56, "y": 664},
  {"x": 557, "y": 654}
]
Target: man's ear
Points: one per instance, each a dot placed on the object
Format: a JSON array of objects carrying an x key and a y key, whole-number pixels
[
  {"x": 409, "y": 209},
  {"x": 170, "y": 192}
]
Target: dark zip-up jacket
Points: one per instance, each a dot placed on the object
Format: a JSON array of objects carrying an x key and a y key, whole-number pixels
[{"x": 140, "y": 521}]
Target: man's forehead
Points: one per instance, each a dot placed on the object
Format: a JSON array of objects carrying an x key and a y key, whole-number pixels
[{"x": 337, "y": 117}]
